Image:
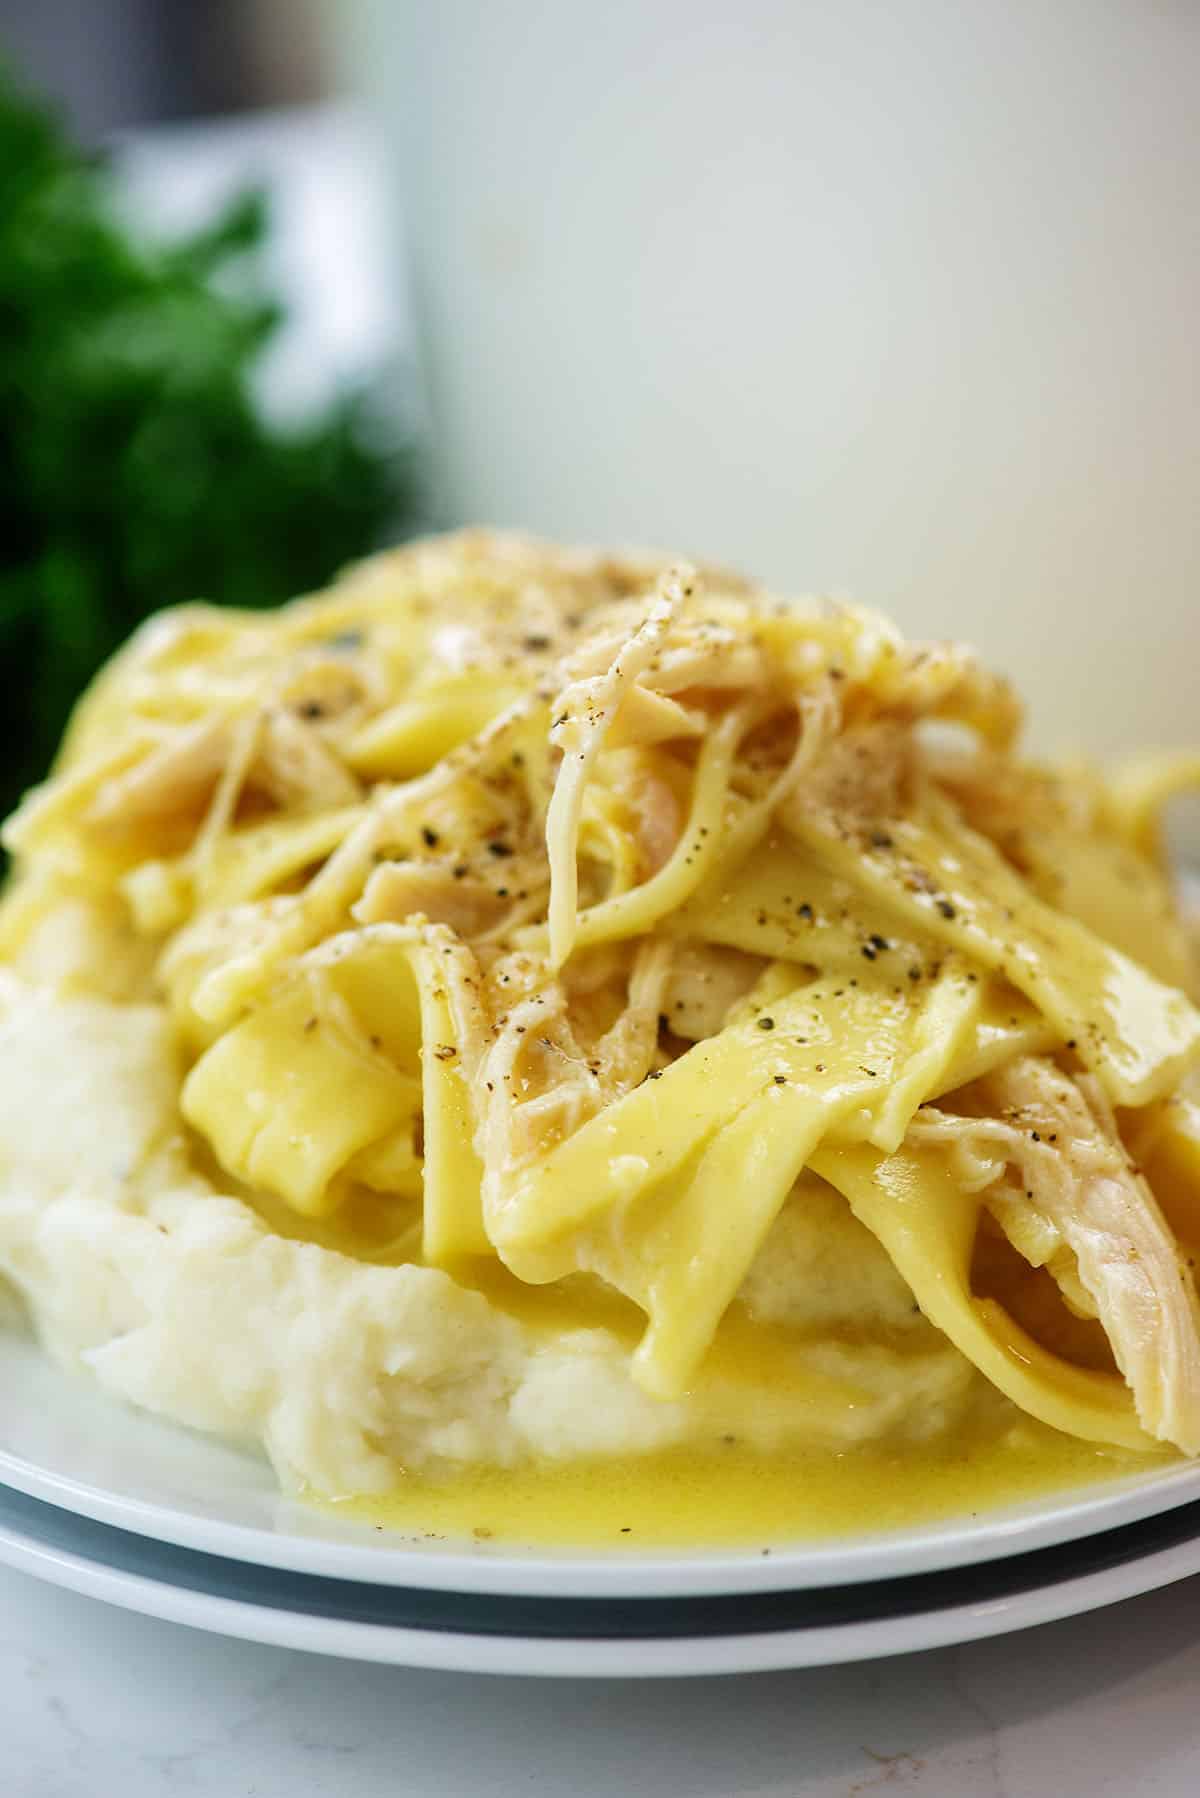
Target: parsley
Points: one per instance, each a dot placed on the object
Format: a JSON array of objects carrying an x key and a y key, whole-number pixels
[{"x": 135, "y": 470}]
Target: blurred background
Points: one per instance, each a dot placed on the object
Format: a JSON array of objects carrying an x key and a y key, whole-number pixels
[{"x": 892, "y": 301}]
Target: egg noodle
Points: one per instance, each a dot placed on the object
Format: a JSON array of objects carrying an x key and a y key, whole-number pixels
[{"x": 577, "y": 913}]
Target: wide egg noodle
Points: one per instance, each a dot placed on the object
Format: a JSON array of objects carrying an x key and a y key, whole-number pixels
[
  {"x": 1137, "y": 1035},
  {"x": 244, "y": 864},
  {"x": 641, "y": 1194},
  {"x": 332, "y": 1074},
  {"x": 437, "y": 718},
  {"x": 1116, "y": 892},
  {"x": 309, "y": 1079},
  {"x": 926, "y": 1221}
]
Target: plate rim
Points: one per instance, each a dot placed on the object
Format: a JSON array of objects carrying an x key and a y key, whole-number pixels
[{"x": 590, "y": 1657}]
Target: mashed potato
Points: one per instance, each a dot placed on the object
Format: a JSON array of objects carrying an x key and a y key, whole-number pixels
[{"x": 177, "y": 1297}]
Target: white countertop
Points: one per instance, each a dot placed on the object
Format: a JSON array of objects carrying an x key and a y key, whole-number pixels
[{"x": 95, "y": 1701}]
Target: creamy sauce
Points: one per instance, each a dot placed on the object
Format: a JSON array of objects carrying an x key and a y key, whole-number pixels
[
  {"x": 685, "y": 1499},
  {"x": 729, "y": 1494}
]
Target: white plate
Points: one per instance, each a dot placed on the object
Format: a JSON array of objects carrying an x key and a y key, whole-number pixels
[
  {"x": 63, "y": 1442},
  {"x": 733, "y": 1634}
]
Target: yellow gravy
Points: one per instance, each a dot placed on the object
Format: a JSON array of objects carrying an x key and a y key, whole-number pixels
[
  {"x": 729, "y": 1494},
  {"x": 685, "y": 1499}
]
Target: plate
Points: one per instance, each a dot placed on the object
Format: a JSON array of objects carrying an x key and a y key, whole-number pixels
[
  {"x": 66, "y": 1443},
  {"x": 592, "y": 1637},
  {"x": 122, "y": 1506}
]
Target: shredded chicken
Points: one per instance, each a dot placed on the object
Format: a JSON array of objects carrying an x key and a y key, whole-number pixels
[
  {"x": 175, "y": 780},
  {"x": 659, "y": 819},
  {"x": 861, "y": 774},
  {"x": 1049, "y": 1142},
  {"x": 209, "y": 768},
  {"x": 706, "y": 983},
  {"x": 397, "y": 891},
  {"x": 543, "y": 1076},
  {"x": 297, "y": 771}
]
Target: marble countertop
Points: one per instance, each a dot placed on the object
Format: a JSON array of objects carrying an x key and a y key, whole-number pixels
[{"x": 96, "y": 1701}]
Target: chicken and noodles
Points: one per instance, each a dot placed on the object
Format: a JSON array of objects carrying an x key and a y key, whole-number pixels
[{"x": 524, "y": 1009}]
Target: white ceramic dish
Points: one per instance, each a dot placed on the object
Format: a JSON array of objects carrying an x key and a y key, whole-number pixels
[
  {"x": 64, "y": 1443},
  {"x": 734, "y": 1634}
]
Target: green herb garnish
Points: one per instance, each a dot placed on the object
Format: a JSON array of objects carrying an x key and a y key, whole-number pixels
[{"x": 135, "y": 468}]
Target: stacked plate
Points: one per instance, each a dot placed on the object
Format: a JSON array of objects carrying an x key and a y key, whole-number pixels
[{"x": 128, "y": 1509}]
